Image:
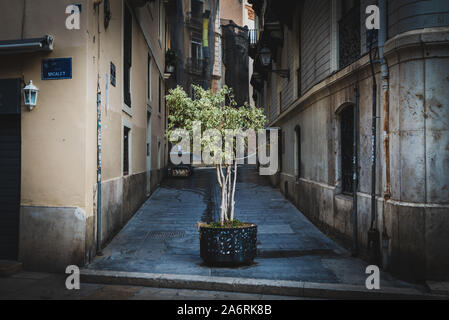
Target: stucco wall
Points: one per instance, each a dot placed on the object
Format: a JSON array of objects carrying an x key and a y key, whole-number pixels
[
  {"x": 44, "y": 130},
  {"x": 59, "y": 136}
]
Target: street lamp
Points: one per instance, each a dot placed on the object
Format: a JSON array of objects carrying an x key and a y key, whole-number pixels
[
  {"x": 265, "y": 56},
  {"x": 30, "y": 93}
]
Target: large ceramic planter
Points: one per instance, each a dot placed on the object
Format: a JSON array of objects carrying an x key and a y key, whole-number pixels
[{"x": 228, "y": 247}]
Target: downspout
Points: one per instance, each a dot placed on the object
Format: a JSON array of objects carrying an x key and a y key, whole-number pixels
[
  {"x": 99, "y": 253},
  {"x": 373, "y": 233},
  {"x": 374, "y": 245},
  {"x": 355, "y": 248},
  {"x": 386, "y": 123}
]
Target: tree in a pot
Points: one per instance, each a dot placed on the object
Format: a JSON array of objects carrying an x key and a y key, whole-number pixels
[{"x": 205, "y": 119}]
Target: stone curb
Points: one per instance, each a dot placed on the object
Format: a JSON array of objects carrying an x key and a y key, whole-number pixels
[{"x": 255, "y": 286}]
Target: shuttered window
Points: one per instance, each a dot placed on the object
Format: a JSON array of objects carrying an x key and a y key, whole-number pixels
[
  {"x": 126, "y": 138},
  {"x": 127, "y": 56},
  {"x": 347, "y": 150}
]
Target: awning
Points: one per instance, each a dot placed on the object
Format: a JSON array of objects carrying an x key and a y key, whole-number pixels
[{"x": 27, "y": 45}]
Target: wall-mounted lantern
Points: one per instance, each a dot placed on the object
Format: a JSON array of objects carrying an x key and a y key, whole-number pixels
[
  {"x": 30, "y": 93},
  {"x": 265, "y": 56},
  {"x": 265, "y": 60}
]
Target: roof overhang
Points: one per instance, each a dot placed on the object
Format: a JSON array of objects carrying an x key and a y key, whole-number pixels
[{"x": 26, "y": 45}]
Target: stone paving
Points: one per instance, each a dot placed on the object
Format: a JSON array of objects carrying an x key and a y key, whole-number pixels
[{"x": 163, "y": 238}]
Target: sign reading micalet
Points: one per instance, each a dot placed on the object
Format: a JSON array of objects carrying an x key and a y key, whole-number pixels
[{"x": 57, "y": 69}]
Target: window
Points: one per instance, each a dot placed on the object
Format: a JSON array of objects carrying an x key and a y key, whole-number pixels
[
  {"x": 196, "y": 49},
  {"x": 349, "y": 32},
  {"x": 161, "y": 19},
  {"x": 298, "y": 70},
  {"x": 150, "y": 6},
  {"x": 196, "y": 7},
  {"x": 148, "y": 160},
  {"x": 195, "y": 63},
  {"x": 167, "y": 35},
  {"x": 347, "y": 150},
  {"x": 297, "y": 151},
  {"x": 127, "y": 56},
  {"x": 281, "y": 140},
  {"x": 159, "y": 155},
  {"x": 126, "y": 139},
  {"x": 149, "y": 71},
  {"x": 160, "y": 94}
]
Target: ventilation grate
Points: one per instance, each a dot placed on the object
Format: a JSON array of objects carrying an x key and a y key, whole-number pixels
[{"x": 162, "y": 235}]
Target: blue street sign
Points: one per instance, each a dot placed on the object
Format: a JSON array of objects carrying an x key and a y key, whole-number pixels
[{"x": 57, "y": 69}]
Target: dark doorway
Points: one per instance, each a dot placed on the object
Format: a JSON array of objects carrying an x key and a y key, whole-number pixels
[
  {"x": 126, "y": 133},
  {"x": 10, "y": 167},
  {"x": 347, "y": 151},
  {"x": 298, "y": 151}
]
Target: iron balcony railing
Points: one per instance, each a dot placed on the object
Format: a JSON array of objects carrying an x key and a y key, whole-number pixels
[
  {"x": 195, "y": 66},
  {"x": 194, "y": 20},
  {"x": 253, "y": 36}
]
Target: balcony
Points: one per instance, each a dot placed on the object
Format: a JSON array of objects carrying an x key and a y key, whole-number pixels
[
  {"x": 253, "y": 37},
  {"x": 195, "y": 66},
  {"x": 194, "y": 20},
  {"x": 252, "y": 42}
]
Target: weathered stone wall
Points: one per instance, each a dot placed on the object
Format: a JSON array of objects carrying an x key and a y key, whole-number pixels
[
  {"x": 51, "y": 238},
  {"x": 416, "y": 218},
  {"x": 419, "y": 144}
]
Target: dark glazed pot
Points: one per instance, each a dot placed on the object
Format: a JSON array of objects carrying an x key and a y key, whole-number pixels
[{"x": 228, "y": 247}]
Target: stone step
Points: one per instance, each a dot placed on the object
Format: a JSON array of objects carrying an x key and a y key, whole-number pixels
[{"x": 259, "y": 286}]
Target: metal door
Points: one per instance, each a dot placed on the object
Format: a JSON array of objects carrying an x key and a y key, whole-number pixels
[{"x": 10, "y": 167}]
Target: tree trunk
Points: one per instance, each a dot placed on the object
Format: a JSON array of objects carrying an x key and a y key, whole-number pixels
[
  {"x": 227, "y": 182},
  {"x": 233, "y": 192}
]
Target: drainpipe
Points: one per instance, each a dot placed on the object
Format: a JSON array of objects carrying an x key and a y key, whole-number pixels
[
  {"x": 373, "y": 233},
  {"x": 99, "y": 172},
  {"x": 99, "y": 253},
  {"x": 355, "y": 248},
  {"x": 386, "y": 121}
]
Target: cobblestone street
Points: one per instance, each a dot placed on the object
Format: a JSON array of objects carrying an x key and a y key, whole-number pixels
[{"x": 163, "y": 238}]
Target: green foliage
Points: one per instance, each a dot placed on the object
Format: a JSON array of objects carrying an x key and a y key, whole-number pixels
[
  {"x": 171, "y": 58},
  {"x": 214, "y": 110},
  {"x": 227, "y": 224}
]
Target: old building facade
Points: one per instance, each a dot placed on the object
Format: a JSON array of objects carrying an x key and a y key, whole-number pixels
[
  {"x": 196, "y": 38},
  {"x": 108, "y": 67},
  {"x": 237, "y": 25},
  {"x": 319, "y": 74}
]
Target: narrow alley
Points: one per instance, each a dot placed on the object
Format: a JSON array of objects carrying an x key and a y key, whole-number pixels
[{"x": 163, "y": 238}]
